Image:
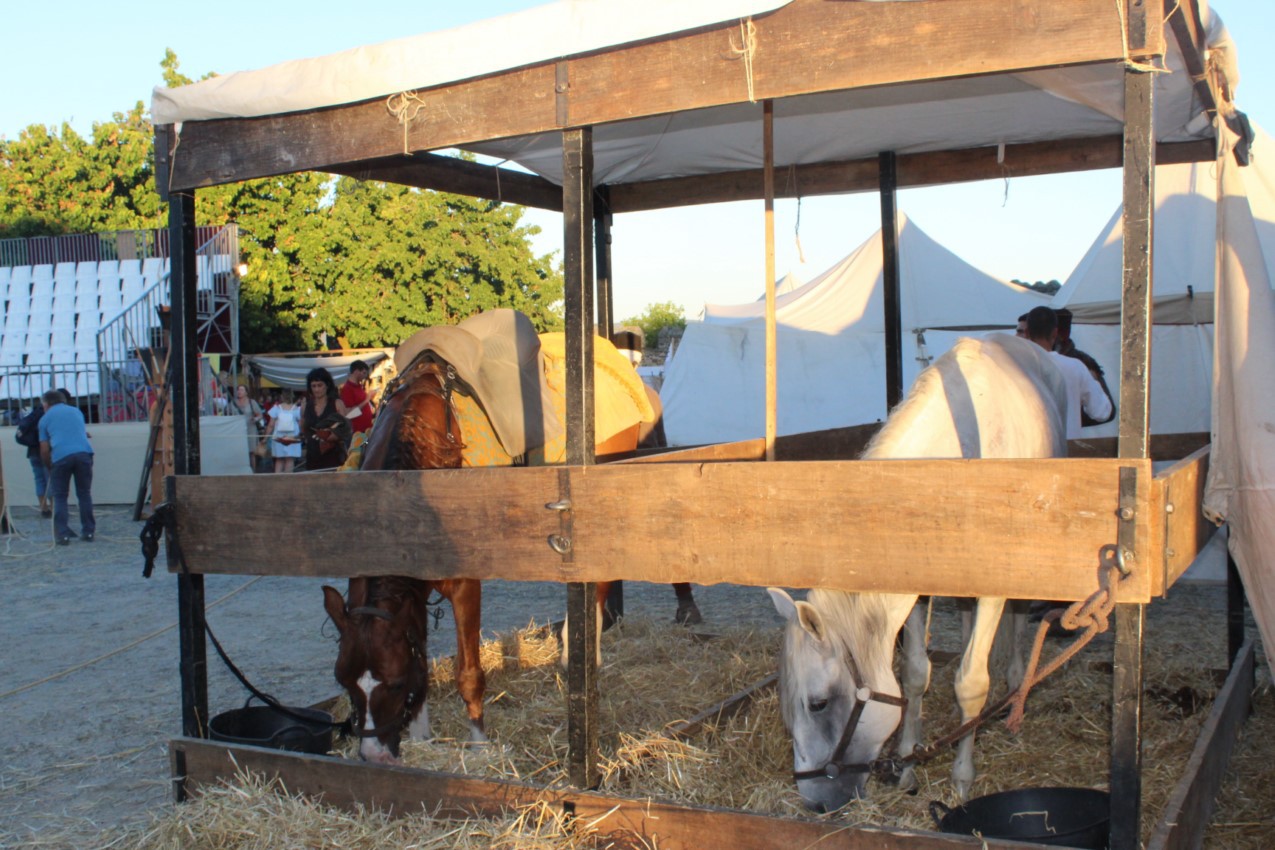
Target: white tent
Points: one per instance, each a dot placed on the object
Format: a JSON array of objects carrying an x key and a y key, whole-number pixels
[
  {"x": 831, "y": 360},
  {"x": 1182, "y": 338}
]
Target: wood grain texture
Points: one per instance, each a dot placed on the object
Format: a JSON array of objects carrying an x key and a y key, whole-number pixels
[
  {"x": 1186, "y": 815},
  {"x": 627, "y": 823},
  {"x": 1178, "y": 494},
  {"x": 1019, "y": 528}
]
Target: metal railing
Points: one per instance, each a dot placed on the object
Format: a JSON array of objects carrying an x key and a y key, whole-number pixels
[
  {"x": 140, "y": 329},
  {"x": 92, "y": 247}
]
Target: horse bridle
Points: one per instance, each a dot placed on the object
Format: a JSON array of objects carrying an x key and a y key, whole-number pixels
[
  {"x": 833, "y": 767},
  {"x": 399, "y": 723}
]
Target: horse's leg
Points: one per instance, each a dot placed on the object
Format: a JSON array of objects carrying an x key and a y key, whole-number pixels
[
  {"x": 916, "y": 680},
  {"x": 467, "y": 602},
  {"x": 1016, "y": 634},
  {"x": 972, "y": 683},
  {"x": 687, "y": 611}
]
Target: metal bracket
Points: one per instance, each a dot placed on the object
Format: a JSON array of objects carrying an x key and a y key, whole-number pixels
[
  {"x": 1126, "y": 529},
  {"x": 561, "y": 542}
]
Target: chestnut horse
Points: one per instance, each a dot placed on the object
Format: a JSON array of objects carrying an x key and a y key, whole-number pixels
[{"x": 381, "y": 658}]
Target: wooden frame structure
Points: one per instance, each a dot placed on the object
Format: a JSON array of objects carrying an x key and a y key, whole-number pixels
[{"x": 1002, "y": 512}]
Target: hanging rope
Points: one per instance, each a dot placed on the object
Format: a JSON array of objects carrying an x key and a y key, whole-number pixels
[
  {"x": 1090, "y": 614},
  {"x": 405, "y": 106},
  {"x": 746, "y": 49}
]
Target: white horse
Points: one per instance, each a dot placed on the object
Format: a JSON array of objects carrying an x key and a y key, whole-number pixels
[{"x": 998, "y": 397}]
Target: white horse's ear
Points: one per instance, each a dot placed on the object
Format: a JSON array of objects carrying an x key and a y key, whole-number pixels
[
  {"x": 812, "y": 621},
  {"x": 784, "y": 603}
]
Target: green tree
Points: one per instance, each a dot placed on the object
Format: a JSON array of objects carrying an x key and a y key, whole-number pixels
[
  {"x": 368, "y": 261},
  {"x": 664, "y": 314}
]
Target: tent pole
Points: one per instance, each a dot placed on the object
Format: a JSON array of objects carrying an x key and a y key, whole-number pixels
[
  {"x": 582, "y": 611},
  {"x": 887, "y": 170},
  {"x": 1134, "y": 440},
  {"x": 772, "y": 337}
]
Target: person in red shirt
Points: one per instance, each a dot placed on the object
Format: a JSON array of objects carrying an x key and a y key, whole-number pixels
[{"x": 358, "y": 404}]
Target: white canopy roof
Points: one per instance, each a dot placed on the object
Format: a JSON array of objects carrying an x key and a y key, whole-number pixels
[
  {"x": 831, "y": 331},
  {"x": 968, "y": 111}
]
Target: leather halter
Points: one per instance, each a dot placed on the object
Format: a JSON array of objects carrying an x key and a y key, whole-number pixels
[
  {"x": 833, "y": 768},
  {"x": 396, "y": 726}
]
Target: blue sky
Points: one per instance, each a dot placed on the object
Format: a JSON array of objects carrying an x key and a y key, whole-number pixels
[{"x": 88, "y": 60}]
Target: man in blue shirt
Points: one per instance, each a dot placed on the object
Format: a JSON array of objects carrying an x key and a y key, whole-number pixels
[{"x": 65, "y": 449}]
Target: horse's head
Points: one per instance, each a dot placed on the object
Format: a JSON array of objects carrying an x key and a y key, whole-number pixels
[
  {"x": 838, "y": 725},
  {"x": 381, "y": 661}
]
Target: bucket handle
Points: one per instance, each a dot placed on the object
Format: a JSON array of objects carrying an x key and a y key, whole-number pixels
[{"x": 938, "y": 811}]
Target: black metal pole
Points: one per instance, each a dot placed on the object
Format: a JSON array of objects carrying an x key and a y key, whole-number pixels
[
  {"x": 1235, "y": 606},
  {"x": 183, "y": 379},
  {"x": 1134, "y": 439},
  {"x": 889, "y": 181},
  {"x": 582, "y": 640},
  {"x": 604, "y": 290}
]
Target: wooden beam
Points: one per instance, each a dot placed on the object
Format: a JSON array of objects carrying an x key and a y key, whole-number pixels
[
  {"x": 1177, "y": 493},
  {"x": 806, "y": 47},
  {"x": 459, "y": 176},
  {"x": 913, "y": 170},
  {"x": 891, "y": 280},
  {"x": 855, "y": 525},
  {"x": 623, "y": 822},
  {"x": 768, "y": 271},
  {"x": 1186, "y": 815}
]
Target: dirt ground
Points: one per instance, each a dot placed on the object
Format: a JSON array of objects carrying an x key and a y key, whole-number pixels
[{"x": 89, "y": 671}]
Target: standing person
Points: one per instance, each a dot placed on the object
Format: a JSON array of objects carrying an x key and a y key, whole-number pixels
[
  {"x": 28, "y": 435},
  {"x": 1083, "y": 392},
  {"x": 1067, "y": 347},
  {"x": 284, "y": 432},
  {"x": 65, "y": 449},
  {"x": 354, "y": 395},
  {"x": 243, "y": 405},
  {"x": 324, "y": 425}
]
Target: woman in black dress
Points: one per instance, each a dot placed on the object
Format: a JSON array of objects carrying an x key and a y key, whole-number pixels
[{"x": 324, "y": 425}]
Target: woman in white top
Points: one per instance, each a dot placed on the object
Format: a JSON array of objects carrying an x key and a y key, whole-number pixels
[{"x": 284, "y": 432}]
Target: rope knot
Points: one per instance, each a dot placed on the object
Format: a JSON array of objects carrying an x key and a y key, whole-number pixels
[
  {"x": 746, "y": 49},
  {"x": 405, "y": 106}
]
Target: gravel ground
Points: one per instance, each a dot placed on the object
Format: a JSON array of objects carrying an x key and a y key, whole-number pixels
[{"x": 89, "y": 671}]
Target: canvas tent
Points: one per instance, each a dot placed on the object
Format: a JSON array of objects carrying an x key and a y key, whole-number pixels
[
  {"x": 1182, "y": 337},
  {"x": 831, "y": 350}
]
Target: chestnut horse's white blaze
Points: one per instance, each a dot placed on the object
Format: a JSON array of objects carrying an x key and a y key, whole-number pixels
[{"x": 998, "y": 397}]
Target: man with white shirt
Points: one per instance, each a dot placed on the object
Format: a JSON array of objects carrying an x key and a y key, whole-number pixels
[{"x": 1084, "y": 393}]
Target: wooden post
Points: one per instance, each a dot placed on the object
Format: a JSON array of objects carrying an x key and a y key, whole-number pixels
[
  {"x": 772, "y": 335},
  {"x": 887, "y": 171},
  {"x": 582, "y": 637},
  {"x": 184, "y": 401},
  {"x": 1134, "y": 441}
]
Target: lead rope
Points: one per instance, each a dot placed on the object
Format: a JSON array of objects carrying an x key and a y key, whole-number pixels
[
  {"x": 165, "y": 519},
  {"x": 1090, "y": 614}
]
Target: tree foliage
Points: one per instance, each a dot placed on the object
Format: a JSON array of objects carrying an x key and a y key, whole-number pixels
[
  {"x": 367, "y": 261},
  {"x": 664, "y": 314}
]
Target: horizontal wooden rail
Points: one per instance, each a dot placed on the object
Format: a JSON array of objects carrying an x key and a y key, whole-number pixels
[
  {"x": 628, "y": 823},
  {"x": 1018, "y": 528}
]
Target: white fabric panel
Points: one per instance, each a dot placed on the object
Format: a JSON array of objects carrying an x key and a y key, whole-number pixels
[
  {"x": 831, "y": 355},
  {"x": 1241, "y": 484},
  {"x": 416, "y": 62},
  {"x": 119, "y": 449}
]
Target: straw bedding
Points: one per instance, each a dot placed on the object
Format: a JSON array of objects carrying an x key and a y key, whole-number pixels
[{"x": 655, "y": 675}]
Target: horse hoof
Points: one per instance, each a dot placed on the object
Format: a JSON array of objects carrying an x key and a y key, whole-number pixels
[{"x": 688, "y": 615}]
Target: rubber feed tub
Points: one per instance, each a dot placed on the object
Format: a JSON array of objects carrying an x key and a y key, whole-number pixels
[
  {"x": 262, "y": 726},
  {"x": 1057, "y": 817}
]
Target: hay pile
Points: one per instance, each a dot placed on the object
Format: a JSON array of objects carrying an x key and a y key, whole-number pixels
[{"x": 655, "y": 675}]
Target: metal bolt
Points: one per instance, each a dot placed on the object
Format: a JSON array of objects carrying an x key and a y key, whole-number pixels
[
  {"x": 560, "y": 505},
  {"x": 1168, "y": 509},
  {"x": 559, "y": 544},
  {"x": 1126, "y": 514}
]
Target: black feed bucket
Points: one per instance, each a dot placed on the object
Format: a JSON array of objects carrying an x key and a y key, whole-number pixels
[
  {"x": 262, "y": 726},
  {"x": 1057, "y": 817}
]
